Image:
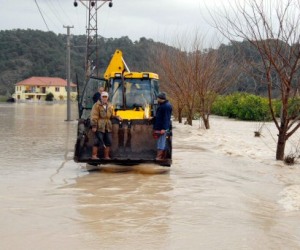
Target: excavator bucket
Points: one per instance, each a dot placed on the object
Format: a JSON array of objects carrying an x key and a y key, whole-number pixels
[{"x": 132, "y": 143}]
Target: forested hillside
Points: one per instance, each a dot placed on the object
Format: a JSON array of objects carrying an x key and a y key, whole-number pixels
[{"x": 26, "y": 53}]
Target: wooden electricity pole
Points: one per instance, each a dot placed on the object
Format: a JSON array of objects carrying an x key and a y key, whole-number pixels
[{"x": 68, "y": 73}]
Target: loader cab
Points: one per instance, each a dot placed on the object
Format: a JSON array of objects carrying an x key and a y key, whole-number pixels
[{"x": 134, "y": 91}]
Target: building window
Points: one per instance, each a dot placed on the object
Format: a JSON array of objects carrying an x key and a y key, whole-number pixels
[{"x": 56, "y": 89}]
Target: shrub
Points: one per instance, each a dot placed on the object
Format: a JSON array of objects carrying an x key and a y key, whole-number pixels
[
  {"x": 242, "y": 106},
  {"x": 293, "y": 107},
  {"x": 49, "y": 97},
  {"x": 254, "y": 108}
]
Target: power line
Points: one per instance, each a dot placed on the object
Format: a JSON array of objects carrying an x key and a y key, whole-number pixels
[
  {"x": 56, "y": 8},
  {"x": 55, "y": 12},
  {"x": 52, "y": 11},
  {"x": 41, "y": 14},
  {"x": 63, "y": 11}
]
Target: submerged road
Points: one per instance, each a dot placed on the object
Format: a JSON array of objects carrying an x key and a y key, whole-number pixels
[{"x": 213, "y": 197}]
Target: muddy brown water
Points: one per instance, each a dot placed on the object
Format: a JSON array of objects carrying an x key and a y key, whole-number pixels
[{"x": 208, "y": 199}]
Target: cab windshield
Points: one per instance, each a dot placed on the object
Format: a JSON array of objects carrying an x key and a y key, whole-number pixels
[{"x": 134, "y": 93}]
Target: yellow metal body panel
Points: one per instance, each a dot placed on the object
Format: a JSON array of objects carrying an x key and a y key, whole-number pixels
[
  {"x": 140, "y": 75},
  {"x": 115, "y": 65},
  {"x": 134, "y": 114},
  {"x": 132, "y": 75},
  {"x": 131, "y": 114}
]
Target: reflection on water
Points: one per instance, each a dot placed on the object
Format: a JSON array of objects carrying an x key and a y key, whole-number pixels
[
  {"x": 120, "y": 206},
  {"x": 208, "y": 199}
]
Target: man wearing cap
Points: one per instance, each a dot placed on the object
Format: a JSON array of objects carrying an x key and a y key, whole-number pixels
[
  {"x": 101, "y": 115},
  {"x": 162, "y": 123}
]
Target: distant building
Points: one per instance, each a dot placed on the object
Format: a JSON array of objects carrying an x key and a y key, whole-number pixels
[{"x": 36, "y": 88}]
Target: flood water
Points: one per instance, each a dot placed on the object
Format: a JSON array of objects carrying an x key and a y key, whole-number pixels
[{"x": 222, "y": 192}]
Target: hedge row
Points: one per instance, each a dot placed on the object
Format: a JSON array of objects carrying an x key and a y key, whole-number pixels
[{"x": 244, "y": 106}]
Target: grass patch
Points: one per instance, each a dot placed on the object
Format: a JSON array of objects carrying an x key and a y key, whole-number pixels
[{"x": 3, "y": 98}]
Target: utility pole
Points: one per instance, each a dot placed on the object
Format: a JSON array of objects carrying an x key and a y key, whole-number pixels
[
  {"x": 91, "y": 61},
  {"x": 68, "y": 72}
]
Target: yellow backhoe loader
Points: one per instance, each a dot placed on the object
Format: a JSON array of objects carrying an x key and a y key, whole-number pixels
[{"x": 134, "y": 97}]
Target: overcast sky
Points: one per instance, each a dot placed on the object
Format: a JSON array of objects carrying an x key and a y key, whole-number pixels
[{"x": 155, "y": 19}]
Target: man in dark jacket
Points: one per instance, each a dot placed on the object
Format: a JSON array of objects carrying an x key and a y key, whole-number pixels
[
  {"x": 162, "y": 123},
  {"x": 97, "y": 95}
]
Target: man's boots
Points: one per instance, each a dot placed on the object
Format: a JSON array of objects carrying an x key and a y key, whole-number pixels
[
  {"x": 106, "y": 153},
  {"x": 95, "y": 153},
  {"x": 160, "y": 155}
]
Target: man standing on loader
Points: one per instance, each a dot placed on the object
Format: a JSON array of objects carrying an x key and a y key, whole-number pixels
[
  {"x": 101, "y": 115},
  {"x": 162, "y": 124}
]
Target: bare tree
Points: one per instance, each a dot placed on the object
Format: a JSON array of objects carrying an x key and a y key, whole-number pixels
[
  {"x": 272, "y": 27},
  {"x": 194, "y": 76},
  {"x": 175, "y": 72},
  {"x": 213, "y": 74}
]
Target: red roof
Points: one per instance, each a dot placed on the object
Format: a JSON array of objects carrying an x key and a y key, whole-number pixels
[{"x": 44, "y": 81}]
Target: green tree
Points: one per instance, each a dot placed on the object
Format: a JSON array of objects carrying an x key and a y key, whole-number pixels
[{"x": 49, "y": 97}]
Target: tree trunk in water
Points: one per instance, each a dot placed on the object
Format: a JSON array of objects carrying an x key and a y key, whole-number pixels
[
  {"x": 189, "y": 120},
  {"x": 206, "y": 122},
  {"x": 180, "y": 115},
  {"x": 281, "y": 145}
]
